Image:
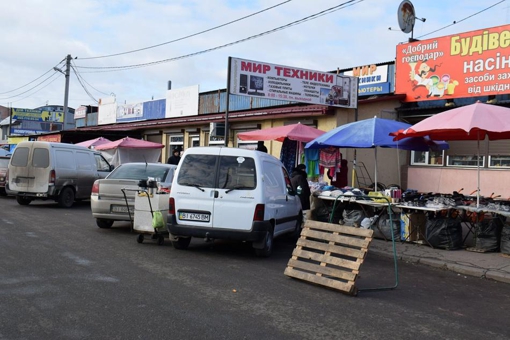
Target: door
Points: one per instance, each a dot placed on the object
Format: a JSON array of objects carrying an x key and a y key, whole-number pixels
[
  {"x": 18, "y": 168},
  {"x": 238, "y": 192}
]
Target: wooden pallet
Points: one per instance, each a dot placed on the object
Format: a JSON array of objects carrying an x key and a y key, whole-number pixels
[{"x": 329, "y": 255}]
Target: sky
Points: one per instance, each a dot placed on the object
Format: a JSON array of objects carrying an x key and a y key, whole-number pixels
[{"x": 38, "y": 35}]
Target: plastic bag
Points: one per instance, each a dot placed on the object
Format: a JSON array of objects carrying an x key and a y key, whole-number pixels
[
  {"x": 488, "y": 234},
  {"x": 445, "y": 233},
  {"x": 157, "y": 220}
]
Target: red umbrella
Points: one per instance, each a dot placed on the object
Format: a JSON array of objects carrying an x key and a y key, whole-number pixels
[
  {"x": 94, "y": 142},
  {"x": 297, "y": 132},
  {"x": 470, "y": 122}
]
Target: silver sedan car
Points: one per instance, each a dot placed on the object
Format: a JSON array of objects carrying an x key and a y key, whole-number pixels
[{"x": 112, "y": 196}]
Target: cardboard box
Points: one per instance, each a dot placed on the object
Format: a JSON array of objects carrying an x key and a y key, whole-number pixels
[{"x": 412, "y": 226}]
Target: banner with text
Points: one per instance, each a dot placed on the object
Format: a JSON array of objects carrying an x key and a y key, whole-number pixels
[
  {"x": 263, "y": 80},
  {"x": 469, "y": 64}
]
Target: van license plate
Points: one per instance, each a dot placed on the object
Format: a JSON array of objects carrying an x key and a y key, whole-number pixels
[
  {"x": 194, "y": 217},
  {"x": 121, "y": 209}
]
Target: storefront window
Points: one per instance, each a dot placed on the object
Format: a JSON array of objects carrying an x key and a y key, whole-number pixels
[
  {"x": 465, "y": 161},
  {"x": 427, "y": 158},
  {"x": 499, "y": 161}
]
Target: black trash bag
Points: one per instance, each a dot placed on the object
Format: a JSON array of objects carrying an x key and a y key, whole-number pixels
[
  {"x": 444, "y": 233},
  {"x": 321, "y": 214},
  {"x": 505, "y": 240},
  {"x": 383, "y": 229},
  {"x": 488, "y": 234},
  {"x": 353, "y": 217}
]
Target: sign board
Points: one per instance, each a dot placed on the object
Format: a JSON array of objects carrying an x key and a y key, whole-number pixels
[
  {"x": 182, "y": 102},
  {"x": 468, "y": 64},
  {"x": 264, "y": 80},
  {"x": 38, "y": 115},
  {"x": 372, "y": 79},
  {"x": 107, "y": 111},
  {"x": 80, "y": 112},
  {"x": 129, "y": 112}
]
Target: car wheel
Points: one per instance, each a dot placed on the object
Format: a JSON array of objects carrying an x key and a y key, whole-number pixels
[
  {"x": 66, "y": 198},
  {"x": 268, "y": 246},
  {"x": 105, "y": 224},
  {"x": 23, "y": 200},
  {"x": 181, "y": 243}
]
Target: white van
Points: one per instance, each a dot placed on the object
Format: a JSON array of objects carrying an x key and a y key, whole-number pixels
[
  {"x": 59, "y": 171},
  {"x": 231, "y": 193}
]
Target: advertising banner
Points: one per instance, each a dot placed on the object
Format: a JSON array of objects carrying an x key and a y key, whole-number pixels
[
  {"x": 264, "y": 80},
  {"x": 38, "y": 115},
  {"x": 182, "y": 102},
  {"x": 107, "y": 111},
  {"x": 129, "y": 112},
  {"x": 372, "y": 79},
  {"x": 475, "y": 63},
  {"x": 80, "y": 112}
]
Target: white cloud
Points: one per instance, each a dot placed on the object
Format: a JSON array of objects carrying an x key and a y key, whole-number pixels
[{"x": 37, "y": 35}]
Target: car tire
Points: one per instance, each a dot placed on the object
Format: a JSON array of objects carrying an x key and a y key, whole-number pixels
[
  {"x": 268, "y": 246},
  {"x": 23, "y": 200},
  {"x": 66, "y": 198},
  {"x": 181, "y": 242},
  {"x": 104, "y": 224}
]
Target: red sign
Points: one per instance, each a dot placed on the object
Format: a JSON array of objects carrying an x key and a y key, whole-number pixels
[
  {"x": 50, "y": 138},
  {"x": 469, "y": 64}
]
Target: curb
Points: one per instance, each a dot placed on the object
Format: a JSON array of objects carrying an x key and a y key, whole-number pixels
[{"x": 453, "y": 267}]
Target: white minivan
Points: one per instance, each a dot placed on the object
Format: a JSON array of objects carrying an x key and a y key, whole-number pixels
[
  {"x": 231, "y": 193},
  {"x": 59, "y": 171}
]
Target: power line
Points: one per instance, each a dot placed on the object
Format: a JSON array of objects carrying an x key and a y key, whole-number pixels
[
  {"x": 457, "y": 21},
  {"x": 58, "y": 76},
  {"x": 51, "y": 69},
  {"x": 19, "y": 94},
  {"x": 294, "y": 23},
  {"x": 80, "y": 76},
  {"x": 189, "y": 36},
  {"x": 82, "y": 85}
]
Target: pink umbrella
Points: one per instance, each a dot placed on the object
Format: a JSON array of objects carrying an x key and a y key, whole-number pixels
[
  {"x": 470, "y": 122},
  {"x": 297, "y": 132},
  {"x": 94, "y": 142},
  {"x": 131, "y": 143}
]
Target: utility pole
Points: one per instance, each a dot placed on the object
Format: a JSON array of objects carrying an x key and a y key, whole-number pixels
[{"x": 66, "y": 93}]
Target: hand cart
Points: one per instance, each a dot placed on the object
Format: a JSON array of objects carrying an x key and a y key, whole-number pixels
[{"x": 146, "y": 203}]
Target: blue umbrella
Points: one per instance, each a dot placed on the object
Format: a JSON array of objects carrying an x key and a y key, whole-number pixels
[{"x": 373, "y": 133}]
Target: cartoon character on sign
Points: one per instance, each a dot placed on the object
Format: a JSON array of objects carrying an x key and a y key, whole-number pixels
[{"x": 424, "y": 83}]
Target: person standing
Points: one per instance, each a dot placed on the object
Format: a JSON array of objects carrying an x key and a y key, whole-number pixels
[
  {"x": 175, "y": 158},
  {"x": 298, "y": 179},
  {"x": 261, "y": 146}
]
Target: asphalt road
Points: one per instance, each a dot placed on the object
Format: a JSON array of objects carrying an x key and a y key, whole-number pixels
[{"x": 61, "y": 277}]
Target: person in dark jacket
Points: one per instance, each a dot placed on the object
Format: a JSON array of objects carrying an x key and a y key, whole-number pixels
[
  {"x": 261, "y": 146},
  {"x": 298, "y": 179},
  {"x": 175, "y": 158}
]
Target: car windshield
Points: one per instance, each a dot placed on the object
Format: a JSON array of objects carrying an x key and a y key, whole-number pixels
[{"x": 139, "y": 171}]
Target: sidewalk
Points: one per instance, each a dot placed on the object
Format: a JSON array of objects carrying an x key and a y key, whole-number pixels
[{"x": 494, "y": 266}]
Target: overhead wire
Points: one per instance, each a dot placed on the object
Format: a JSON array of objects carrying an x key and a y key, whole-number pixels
[
  {"x": 83, "y": 85},
  {"x": 189, "y": 36},
  {"x": 31, "y": 94},
  {"x": 294, "y": 23},
  {"x": 51, "y": 69},
  {"x": 457, "y": 21},
  {"x": 85, "y": 81},
  {"x": 42, "y": 82}
]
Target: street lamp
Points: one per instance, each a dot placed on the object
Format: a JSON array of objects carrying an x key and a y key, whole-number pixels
[{"x": 66, "y": 93}]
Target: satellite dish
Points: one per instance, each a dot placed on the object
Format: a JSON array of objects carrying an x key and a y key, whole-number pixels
[{"x": 406, "y": 16}]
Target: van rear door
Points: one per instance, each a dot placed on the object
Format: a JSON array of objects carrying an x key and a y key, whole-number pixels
[
  {"x": 237, "y": 189},
  {"x": 18, "y": 168}
]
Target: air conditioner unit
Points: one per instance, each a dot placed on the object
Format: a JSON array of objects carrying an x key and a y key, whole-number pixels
[{"x": 217, "y": 129}]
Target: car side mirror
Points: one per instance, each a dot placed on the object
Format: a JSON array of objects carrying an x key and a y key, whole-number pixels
[
  {"x": 112, "y": 167},
  {"x": 290, "y": 191}
]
